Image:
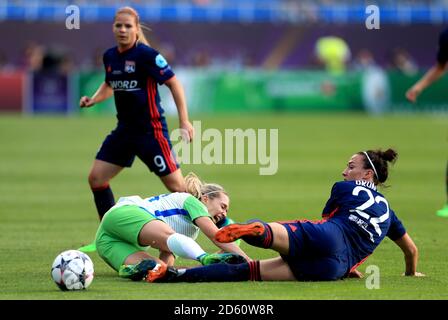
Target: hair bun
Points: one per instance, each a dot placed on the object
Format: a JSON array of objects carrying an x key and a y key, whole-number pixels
[{"x": 389, "y": 155}]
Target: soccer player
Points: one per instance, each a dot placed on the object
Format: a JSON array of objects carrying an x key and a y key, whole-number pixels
[
  {"x": 356, "y": 219},
  {"x": 431, "y": 76},
  {"x": 169, "y": 223},
  {"x": 133, "y": 72}
]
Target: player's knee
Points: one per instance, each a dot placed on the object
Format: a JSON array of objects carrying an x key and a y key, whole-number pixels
[{"x": 95, "y": 181}]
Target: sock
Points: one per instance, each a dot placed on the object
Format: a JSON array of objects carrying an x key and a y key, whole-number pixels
[
  {"x": 221, "y": 272},
  {"x": 262, "y": 241},
  {"x": 104, "y": 199},
  {"x": 184, "y": 246}
]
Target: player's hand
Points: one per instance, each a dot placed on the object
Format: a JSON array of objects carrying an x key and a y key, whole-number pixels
[
  {"x": 415, "y": 274},
  {"x": 412, "y": 94},
  {"x": 355, "y": 274},
  {"x": 187, "y": 131},
  {"x": 86, "y": 102}
]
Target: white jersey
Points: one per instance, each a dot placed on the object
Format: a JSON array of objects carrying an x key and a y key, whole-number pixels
[{"x": 178, "y": 210}]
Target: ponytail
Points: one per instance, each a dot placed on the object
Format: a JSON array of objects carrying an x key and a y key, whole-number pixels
[
  {"x": 197, "y": 188},
  {"x": 141, "y": 38},
  {"x": 193, "y": 185},
  {"x": 389, "y": 155}
]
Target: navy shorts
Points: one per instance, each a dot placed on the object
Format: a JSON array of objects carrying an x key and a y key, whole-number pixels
[
  {"x": 317, "y": 251},
  {"x": 121, "y": 146}
]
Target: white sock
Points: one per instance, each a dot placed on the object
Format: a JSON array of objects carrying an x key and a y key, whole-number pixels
[{"x": 184, "y": 246}]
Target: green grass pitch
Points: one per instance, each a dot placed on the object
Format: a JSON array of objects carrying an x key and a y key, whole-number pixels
[{"x": 46, "y": 206}]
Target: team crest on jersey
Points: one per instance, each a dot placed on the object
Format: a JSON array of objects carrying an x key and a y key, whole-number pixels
[{"x": 129, "y": 66}]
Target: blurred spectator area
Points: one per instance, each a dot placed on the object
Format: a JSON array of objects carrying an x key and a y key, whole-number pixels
[
  {"x": 226, "y": 35},
  {"x": 270, "y": 34},
  {"x": 264, "y": 45}
]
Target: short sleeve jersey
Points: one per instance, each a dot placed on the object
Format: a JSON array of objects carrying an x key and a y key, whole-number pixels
[
  {"x": 134, "y": 76},
  {"x": 364, "y": 215}
]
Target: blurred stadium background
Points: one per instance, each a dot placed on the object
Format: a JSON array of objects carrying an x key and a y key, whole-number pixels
[{"x": 231, "y": 55}]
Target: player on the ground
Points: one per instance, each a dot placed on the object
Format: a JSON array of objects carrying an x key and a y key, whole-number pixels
[
  {"x": 356, "y": 219},
  {"x": 169, "y": 223},
  {"x": 430, "y": 77},
  {"x": 133, "y": 72}
]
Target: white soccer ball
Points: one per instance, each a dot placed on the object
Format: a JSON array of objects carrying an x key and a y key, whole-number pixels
[{"x": 72, "y": 270}]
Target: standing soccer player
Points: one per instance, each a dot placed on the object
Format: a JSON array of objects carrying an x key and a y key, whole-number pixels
[
  {"x": 133, "y": 71},
  {"x": 431, "y": 76}
]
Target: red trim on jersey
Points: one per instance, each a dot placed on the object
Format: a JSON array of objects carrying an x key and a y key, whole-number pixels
[
  {"x": 330, "y": 215},
  {"x": 324, "y": 219},
  {"x": 301, "y": 220},
  {"x": 157, "y": 125},
  {"x": 358, "y": 264}
]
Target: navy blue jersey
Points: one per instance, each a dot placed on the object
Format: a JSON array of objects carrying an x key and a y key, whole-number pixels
[
  {"x": 134, "y": 75},
  {"x": 442, "y": 53},
  {"x": 364, "y": 215}
]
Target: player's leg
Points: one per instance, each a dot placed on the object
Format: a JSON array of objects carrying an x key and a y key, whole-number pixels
[
  {"x": 444, "y": 211},
  {"x": 117, "y": 245},
  {"x": 275, "y": 269},
  {"x": 116, "y": 152},
  {"x": 137, "y": 264},
  {"x": 265, "y": 270},
  {"x": 156, "y": 152},
  {"x": 127, "y": 259},
  {"x": 100, "y": 175},
  {"x": 159, "y": 235},
  {"x": 257, "y": 233},
  {"x": 174, "y": 181}
]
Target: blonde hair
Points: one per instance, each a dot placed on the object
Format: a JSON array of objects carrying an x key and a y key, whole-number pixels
[
  {"x": 198, "y": 188},
  {"x": 131, "y": 11}
]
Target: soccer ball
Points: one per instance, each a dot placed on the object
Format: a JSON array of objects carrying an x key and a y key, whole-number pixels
[{"x": 72, "y": 270}]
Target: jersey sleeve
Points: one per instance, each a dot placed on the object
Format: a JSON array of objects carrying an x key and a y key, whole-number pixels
[
  {"x": 442, "y": 53},
  {"x": 333, "y": 202},
  {"x": 157, "y": 66},
  {"x": 396, "y": 229},
  {"x": 195, "y": 208}
]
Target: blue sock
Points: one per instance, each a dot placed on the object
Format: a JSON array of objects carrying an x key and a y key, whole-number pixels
[
  {"x": 221, "y": 272},
  {"x": 104, "y": 199},
  {"x": 264, "y": 240}
]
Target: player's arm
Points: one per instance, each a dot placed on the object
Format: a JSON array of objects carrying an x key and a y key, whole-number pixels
[
  {"x": 410, "y": 255},
  {"x": 210, "y": 229},
  {"x": 430, "y": 76},
  {"x": 104, "y": 92},
  {"x": 332, "y": 204},
  {"x": 177, "y": 91}
]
